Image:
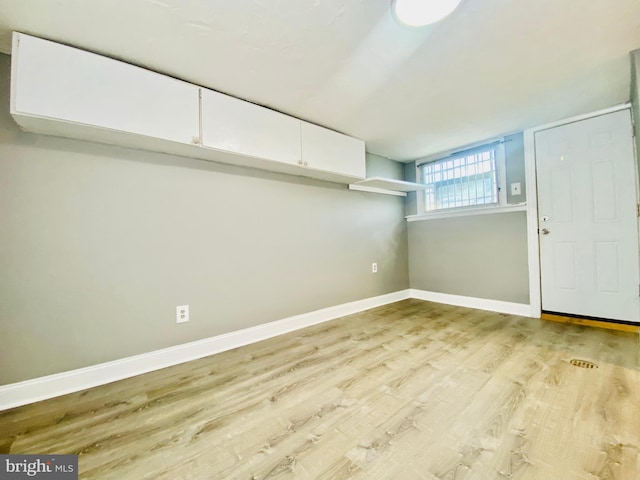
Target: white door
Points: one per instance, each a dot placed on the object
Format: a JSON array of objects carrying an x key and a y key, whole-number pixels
[{"x": 587, "y": 218}]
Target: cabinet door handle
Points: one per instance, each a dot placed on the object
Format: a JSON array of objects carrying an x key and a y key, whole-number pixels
[{"x": 195, "y": 140}]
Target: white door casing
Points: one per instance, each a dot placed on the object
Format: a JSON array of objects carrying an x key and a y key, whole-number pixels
[{"x": 587, "y": 203}]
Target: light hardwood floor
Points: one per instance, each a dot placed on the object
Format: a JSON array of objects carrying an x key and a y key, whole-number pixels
[{"x": 412, "y": 390}]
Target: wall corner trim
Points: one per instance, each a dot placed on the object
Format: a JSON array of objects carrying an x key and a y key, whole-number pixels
[
  {"x": 500, "y": 306},
  {"x": 50, "y": 386}
]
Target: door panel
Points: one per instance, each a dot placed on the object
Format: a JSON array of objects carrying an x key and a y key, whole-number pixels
[
  {"x": 565, "y": 263},
  {"x": 588, "y": 225},
  {"x": 562, "y": 194},
  {"x": 608, "y": 267},
  {"x": 604, "y": 192}
]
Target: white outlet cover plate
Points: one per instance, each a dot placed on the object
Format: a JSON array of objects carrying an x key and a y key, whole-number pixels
[{"x": 182, "y": 313}]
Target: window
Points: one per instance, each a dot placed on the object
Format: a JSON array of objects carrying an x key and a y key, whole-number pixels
[{"x": 463, "y": 179}]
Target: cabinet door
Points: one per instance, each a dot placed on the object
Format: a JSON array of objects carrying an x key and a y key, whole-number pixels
[
  {"x": 324, "y": 149},
  {"x": 233, "y": 125},
  {"x": 59, "y": 82}
]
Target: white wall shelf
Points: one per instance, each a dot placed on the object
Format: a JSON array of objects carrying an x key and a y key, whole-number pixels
[{"x": 387, "y": 186}]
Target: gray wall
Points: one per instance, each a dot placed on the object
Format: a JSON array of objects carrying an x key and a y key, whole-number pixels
[
  {"x": 635, "y": 97},
  {"x": 482, "y": 256},
  {"x": 410, "y": 175},
  {"x": 378, "y": 166},
  {"x": 98, "y": 244},
  {"x": 514, "y": 163}
]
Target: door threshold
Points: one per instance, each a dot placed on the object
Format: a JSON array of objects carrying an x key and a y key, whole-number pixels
[{"x": 591, "y": 322}]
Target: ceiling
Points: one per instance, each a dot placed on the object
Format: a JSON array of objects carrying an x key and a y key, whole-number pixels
[{"x": 492, "y": 67}]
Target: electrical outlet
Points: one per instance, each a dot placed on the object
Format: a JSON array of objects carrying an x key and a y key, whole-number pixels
[
  {"x": 374, "y": 268},
  {"x": 182, "y": 314},
  {"x": 516, "y": 189}
]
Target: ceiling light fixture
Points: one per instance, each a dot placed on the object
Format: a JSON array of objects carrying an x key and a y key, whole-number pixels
[{"x": 417, "y": 13}]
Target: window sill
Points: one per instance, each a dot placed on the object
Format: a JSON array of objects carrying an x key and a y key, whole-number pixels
[{"x": 465, "y": 212}]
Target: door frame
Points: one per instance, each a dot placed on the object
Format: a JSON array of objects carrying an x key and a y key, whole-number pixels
[{"x": 533, "y": 245}]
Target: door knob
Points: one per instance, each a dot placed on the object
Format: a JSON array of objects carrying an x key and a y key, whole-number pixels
[{"x": 545, "y": 231}]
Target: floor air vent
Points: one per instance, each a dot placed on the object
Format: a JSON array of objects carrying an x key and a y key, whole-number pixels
[{"x": 583, "y": 363}]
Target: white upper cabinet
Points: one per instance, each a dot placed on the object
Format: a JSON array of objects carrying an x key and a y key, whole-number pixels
[
  {"x": 63, "y": 91},
  {"x": 233, "y": 125},
  {"x": 54, "y": 81},
  {"x": 326, "y": 150}
]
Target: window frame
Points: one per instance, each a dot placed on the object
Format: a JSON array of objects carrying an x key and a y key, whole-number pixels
[{"x": 501, "y": 178}]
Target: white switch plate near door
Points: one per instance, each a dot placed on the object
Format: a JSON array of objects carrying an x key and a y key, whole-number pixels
[{"x": 516, "y": 189}]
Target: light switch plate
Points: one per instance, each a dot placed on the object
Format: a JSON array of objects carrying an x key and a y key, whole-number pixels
[{"x": 516, "y": 189}]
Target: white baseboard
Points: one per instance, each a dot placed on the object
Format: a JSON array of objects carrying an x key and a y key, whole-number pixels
[
  {"x": 42, "y": 388},
  {"x": 473, "y": 302}
]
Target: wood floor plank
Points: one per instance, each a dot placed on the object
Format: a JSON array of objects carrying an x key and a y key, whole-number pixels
[{"x": 411, "y": 390}]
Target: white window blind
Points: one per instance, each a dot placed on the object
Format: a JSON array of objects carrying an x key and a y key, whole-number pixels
[{"x": 461, "y": 180}]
